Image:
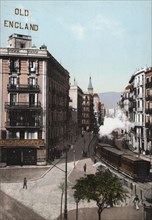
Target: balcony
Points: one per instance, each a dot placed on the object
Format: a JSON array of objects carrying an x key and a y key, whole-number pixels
[
  {"x": 23, "y": 125},
  {"x": 140, "y": 109},
  {"x": 23, "y": 105},
  {"x": 149, "y": 98},
  {"x": 131, "y": 109},
  {"x": 148, "y": 85},
  {"x": 148, "y": 125},
  {"x": 148, "y": 111},
  {"x": 23, "y": 88},
  {"x": 139, "y": 124}
]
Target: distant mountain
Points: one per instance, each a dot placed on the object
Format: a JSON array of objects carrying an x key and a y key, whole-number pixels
[{"x": 110, "y": 99}]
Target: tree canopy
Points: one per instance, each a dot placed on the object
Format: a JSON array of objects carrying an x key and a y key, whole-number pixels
[{"x": 104, "y": 188}]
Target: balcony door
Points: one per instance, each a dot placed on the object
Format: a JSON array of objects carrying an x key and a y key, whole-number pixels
[
  {"x": 13, "y": 99},
  {"x": 31, "y": 99}
]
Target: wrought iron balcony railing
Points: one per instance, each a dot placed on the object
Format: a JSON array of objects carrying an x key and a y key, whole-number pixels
[
  {"x": 149, "y": 98},
  {"x": 148, "y": 85},
  {"x": 148, "y": 111},
  {"x": 22, "y": 88},
  {"x": 23, "y": 125},
  {"x": 22, "y": 105},
  {"x": 148, "y": 125}
]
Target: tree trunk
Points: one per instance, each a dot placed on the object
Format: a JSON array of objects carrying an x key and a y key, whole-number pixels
[
  {"x": 100, "y": 209},
  {"x": 99, "y": 214}
]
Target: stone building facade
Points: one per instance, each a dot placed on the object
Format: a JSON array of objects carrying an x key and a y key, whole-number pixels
[
  {"x": 137, "y": 105},
  {"x": 34, "y": 103},
  {"x": 75, "y": 106}
]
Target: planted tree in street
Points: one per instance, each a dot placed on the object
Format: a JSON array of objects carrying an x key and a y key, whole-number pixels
[{"x": 104, "y": 188}]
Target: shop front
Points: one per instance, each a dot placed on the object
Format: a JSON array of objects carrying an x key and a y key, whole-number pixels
[{"x": 22, "y": 152}]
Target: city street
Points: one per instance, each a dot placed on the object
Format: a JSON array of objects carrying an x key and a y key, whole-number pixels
[
  {"x": 11, "y": 209},
  {"x": 43, "y": 195}
]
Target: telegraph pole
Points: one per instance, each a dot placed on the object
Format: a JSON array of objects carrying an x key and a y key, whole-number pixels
[{"x": 65, "y": 203}]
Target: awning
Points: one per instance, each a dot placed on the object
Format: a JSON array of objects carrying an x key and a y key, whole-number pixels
[{"x": 12, "y": 147}]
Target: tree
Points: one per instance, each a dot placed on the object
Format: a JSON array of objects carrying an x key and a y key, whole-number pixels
[{"x": 104, "y": 188}]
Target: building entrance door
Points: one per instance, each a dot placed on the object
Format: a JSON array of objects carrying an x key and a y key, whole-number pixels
[
  {"x": 13, "y": 156},
  {"x": 29, "y": 156}
]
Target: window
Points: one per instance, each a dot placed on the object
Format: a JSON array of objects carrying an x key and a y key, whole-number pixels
[
  {"x": 32, "y": 66},
  {"x": 13, "y": 80},
  {"x": 31, "y": 99},
  {"x": 22, "y": 45},
  {"x": 14, "y": 65},
  {"x": 31, "y": 81},
  {"x": 13, "y": 99}
]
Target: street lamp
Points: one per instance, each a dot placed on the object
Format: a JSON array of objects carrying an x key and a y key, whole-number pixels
[
  {"x": 84, "y": 151},
  {"x": 76, "y": 201},
  {"x": 65, "y": 190},
  {"x": 74, "y": 157},
  {"x": 72, "y": 147},
  {"x": 65, "y": 202}
]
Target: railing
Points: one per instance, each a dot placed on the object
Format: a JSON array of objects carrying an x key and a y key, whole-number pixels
[
  {"x": 148, "y": 125},
  {"x": 139, "y": 123},
  {"x": 17, "y": 105},
  {"x": 148, "y": 110},
  {"x": 149, "y": 98},
  {"x": 23, "y": 88},
  {"x": 148, "y": 85},
  {"x": 140, "y": 109},
  {"x": 25, "y": 125},
  {"x": 22, "y": 51},
  {"x": 131, "y": 108}
]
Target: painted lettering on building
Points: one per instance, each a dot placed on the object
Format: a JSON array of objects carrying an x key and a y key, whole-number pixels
[{"x": 21, "y": 25}]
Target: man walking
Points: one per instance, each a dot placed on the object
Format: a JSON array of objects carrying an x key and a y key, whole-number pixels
[
  {"x": 136, "y": 202},
  {"x": 25, "y": 183},
  {"x": 85, "y": 168}
]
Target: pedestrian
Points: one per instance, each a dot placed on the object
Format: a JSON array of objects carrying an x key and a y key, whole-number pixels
[
  {"x": 136, "y": 202},
  {"x": 85, "y": 168},
  {"x": 25, "y": 183}
]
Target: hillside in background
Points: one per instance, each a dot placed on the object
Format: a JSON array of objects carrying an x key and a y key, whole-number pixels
[{"x": 110, "y": 99}]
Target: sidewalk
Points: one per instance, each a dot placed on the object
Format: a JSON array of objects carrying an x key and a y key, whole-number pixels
[
  {"x": 124, "y": 211},
  {"x": 44, "y": 196},
  {"x": 78, "y": 171}
]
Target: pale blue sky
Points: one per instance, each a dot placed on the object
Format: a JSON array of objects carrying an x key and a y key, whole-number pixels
[{"x": 108, "y": 40}]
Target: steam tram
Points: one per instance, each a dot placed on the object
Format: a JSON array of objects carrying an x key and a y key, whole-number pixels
[{"x": 128, "y": 164}]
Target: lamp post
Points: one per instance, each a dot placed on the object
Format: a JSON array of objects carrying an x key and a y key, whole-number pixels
[
  {"x": 84, "y": 151},
  {"x": 65, "y": 190},
  {"x": 72, "y": 147},
  {"x": 74, "y": 157},
  {"x": 65, "y": 201},
  {"x": 76, "y": 201}
]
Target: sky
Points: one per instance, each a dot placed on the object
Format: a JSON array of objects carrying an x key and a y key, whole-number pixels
[{"x": 107, "y": 40}]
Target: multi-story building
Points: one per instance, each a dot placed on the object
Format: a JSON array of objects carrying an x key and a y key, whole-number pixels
[
  {"x": 88, "y": 117},
  {"x": 137, "y": 104},
  {"x": 137, "y": 82},
  {"x": 34, "y": 99},
  {"x": 148, "y": 108},
  {"x": 97, "y": 110},
  {"x": 76, "y": 99}
]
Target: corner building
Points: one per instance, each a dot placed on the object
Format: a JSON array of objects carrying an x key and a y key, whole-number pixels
[{"x": 34, "y": 100}]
